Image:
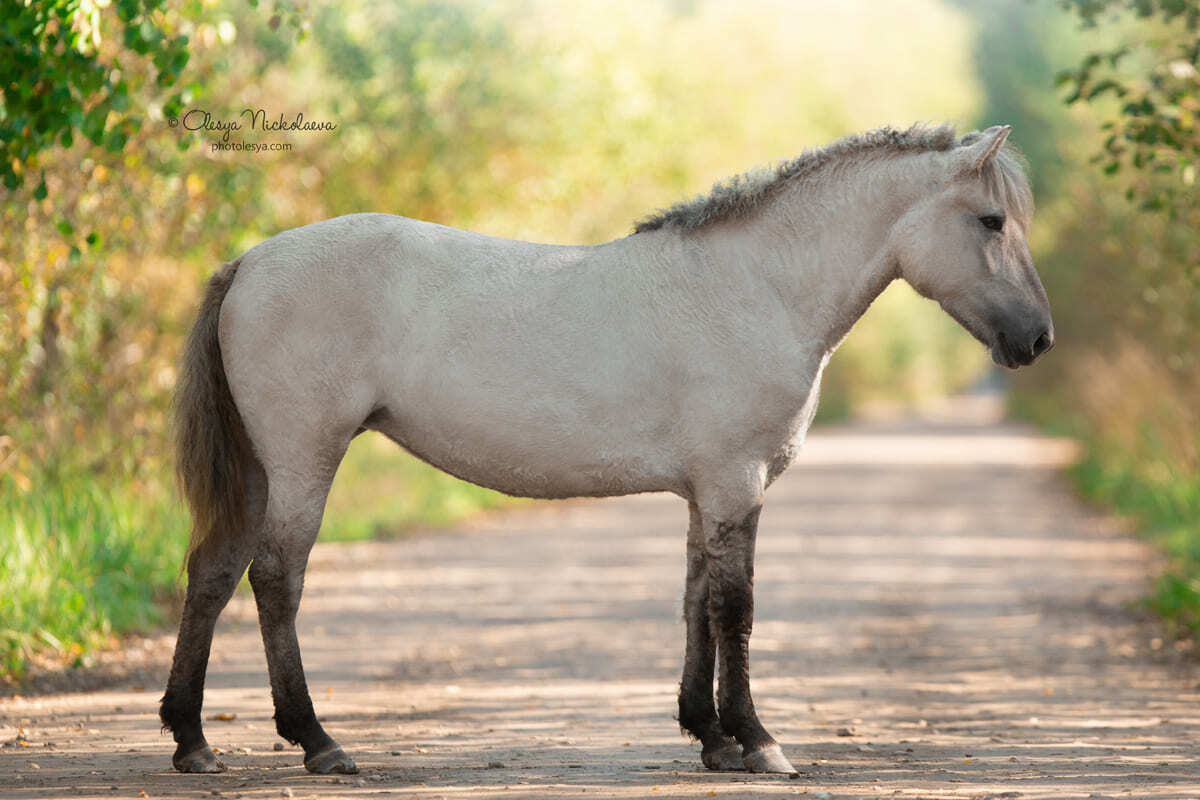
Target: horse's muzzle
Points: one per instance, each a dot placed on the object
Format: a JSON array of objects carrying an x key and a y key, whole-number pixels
[{"x": 1008, "y": 353}]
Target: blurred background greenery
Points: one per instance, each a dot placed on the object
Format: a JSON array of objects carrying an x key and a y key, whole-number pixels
[{"x": 559, "y": 123}]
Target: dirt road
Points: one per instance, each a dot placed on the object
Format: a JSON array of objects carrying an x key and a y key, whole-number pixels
[{"x": 937, "y": 617}]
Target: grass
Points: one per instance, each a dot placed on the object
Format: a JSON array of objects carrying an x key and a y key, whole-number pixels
[
  {"x": 82, "y": 561},
  {"x": 1166, "y": 504}
]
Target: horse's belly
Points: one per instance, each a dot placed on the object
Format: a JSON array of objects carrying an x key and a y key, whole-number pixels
[{"x": 526, "y": 457}]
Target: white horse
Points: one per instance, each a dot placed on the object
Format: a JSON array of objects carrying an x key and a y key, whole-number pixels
[{"x": 684, "y": 358}]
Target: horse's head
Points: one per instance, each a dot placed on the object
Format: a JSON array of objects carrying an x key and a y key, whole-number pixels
[{"x": 964, "y": 245}]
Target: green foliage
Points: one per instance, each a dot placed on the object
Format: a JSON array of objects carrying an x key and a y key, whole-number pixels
[
  {"x": 1152, "y": 76},
  {"x": 79, "y": 562},
  {"x": 61, "y": 77}
]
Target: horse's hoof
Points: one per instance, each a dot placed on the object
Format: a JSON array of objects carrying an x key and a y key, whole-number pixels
[
  {"x": 769, "y": 759},
  {"x": 726, "y": 757},
  {"x": 202, "y": 759},
  {"x": 333, "y": 760}
]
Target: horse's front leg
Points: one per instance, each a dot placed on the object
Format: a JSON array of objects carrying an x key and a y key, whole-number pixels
[
  {"x": 697, "y": 707},
  {"x": 729, "y": 551}
]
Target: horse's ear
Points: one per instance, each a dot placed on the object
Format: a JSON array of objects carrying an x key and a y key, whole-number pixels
[{"x": 976, "y": 155}]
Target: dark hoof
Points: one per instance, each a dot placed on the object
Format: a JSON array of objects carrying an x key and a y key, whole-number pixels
[
  {"x": 201, "y": 759},
  {"x": 331, "y": 761},
  {"x": 725, "y": 757},
  {"x": 769, "y": 759}
]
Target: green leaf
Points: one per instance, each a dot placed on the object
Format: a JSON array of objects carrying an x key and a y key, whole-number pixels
[
  {"x": 115, "y": 139},
  {"x": 119, "y": 98},
  {"x": 65, "y": 227},
  {"x": 93, "y": 123},
  {"x": 40, "y": 192},
  {"x": 1106, "y": 85},
  {"x": 174, "y": 106}
]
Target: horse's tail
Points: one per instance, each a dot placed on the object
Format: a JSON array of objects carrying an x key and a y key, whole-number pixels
[{"x": 213, "y": 454}]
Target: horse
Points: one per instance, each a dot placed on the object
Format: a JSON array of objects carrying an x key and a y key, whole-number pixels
[{"x": 685, "y": 357}]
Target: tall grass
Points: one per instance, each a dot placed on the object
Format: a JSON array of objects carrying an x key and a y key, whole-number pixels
[{"x": 79, "y": 562}]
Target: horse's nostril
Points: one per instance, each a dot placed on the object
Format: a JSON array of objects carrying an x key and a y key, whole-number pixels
[{"x": 1043, "y": 343}]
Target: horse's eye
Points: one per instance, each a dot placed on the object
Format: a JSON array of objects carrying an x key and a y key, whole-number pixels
[{"x": 993, "y": 222}]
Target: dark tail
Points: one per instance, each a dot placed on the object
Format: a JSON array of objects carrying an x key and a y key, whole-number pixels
[{"x": 212, "y": 451}]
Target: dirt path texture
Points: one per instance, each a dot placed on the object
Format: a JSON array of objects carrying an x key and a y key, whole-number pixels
[{"x": 937, "y": 617}]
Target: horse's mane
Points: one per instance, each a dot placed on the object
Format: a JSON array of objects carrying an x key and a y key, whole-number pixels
[{"x": 738, "y": 196}]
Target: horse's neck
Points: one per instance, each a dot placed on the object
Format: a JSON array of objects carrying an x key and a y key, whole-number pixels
[{"x": 822, "y": 245}]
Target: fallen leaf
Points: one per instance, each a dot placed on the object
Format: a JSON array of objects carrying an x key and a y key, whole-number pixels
[{"x": 224, "y": 716}]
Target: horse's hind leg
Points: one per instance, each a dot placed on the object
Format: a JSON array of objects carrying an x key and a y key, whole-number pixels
[
  {"x": 697, "y": 708},
  {"x": 214, "y": 570},
  {"x": 277, "y": 577}
]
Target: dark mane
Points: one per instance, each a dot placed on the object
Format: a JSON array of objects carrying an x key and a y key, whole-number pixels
[{"x": 737, "y": 196}]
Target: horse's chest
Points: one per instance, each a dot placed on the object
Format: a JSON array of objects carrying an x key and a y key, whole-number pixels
[
  {"x": 791, "y": 440},
  {"x": 786, "y": 453}
]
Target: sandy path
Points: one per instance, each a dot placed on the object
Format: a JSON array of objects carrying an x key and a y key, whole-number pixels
[{"x": 932, "y": 589}]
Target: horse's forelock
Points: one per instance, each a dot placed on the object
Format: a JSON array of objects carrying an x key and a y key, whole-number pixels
[{"x": 1005, "y": 175}]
